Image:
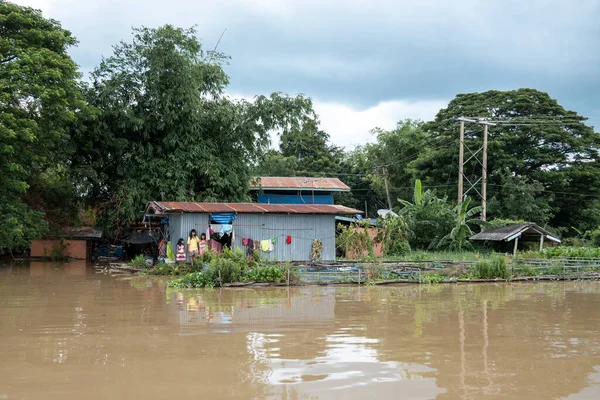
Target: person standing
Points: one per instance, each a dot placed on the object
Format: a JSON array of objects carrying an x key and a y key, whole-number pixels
[
  {"x": 193, "y": 244},
  {"x": 180, "y": 251},
  {"x": 203, "y": 244}
]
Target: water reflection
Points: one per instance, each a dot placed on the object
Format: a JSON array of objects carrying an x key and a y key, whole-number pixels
[{"x": 65, "y": 332}]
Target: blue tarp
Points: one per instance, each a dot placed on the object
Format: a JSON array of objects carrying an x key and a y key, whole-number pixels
[{"x": 223, "y": 218}]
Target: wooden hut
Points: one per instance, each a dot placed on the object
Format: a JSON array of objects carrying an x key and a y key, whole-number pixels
[{"x": 525, "y": 232}]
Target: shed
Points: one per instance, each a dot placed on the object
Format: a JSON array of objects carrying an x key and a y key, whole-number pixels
[
  {"x": 303, "y": 223},
  {"x": 525, "y": 232},
  {"x": 71, "y": 242}
]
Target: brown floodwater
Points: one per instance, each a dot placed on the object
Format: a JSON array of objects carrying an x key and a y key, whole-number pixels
[{"x": 69, "y": 333}]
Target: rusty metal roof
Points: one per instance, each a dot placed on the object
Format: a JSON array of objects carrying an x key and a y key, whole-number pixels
[
  {"x": 296, "y": 183},
  {"x": 170, "y": 207}
]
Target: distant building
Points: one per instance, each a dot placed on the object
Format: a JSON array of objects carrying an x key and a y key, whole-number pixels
[
  {"x": 70, "y": 242},
  {"x": 296, "y": 190}
]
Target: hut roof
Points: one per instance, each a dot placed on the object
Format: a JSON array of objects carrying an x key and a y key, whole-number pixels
[
  {"x": 527, "y": 231},
  {"x": 170, "y": 207}
]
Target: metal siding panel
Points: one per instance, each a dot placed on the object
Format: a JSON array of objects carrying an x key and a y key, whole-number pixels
[
  {"x": 182, "y": 224},
  {"x": 302, "y": 228}
]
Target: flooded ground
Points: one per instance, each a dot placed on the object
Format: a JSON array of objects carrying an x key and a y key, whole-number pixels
[{"x": 68, "y": 333}]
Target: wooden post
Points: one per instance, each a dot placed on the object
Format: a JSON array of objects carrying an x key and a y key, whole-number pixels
[
  {"x": 484, "y": 174},
  {"x": 516, "y": 245},
  {"x": 366, "y": 212},
  {"x": 541, "y": 242},
  {"x": 461, "y": 160},
  {"x": 387, "y": 190}
]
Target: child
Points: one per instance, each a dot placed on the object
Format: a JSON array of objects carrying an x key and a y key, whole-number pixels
[
  {"x": 193, "y": 245},
  {"x": 180, "y": 257},
  {"x": 203, "y": 243}
]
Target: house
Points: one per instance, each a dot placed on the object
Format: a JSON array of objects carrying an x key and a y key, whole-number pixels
[
  {"x": 70, "y": 242},
  {"x": 296, "y": 190},
  {"x": 291, "y": 228}
]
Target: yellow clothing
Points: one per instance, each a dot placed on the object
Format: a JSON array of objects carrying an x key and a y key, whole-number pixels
[
  {"x": 265, "y": 245},
  {"x": 193, "y": 243}
]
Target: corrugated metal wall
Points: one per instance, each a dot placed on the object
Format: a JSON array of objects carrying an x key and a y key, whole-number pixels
[
  {"x": 302, "y": 228},
  {"x": 180, "y": 226}
]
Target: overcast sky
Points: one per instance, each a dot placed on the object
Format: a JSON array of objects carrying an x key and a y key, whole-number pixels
[{"x": 369, "y": 63}]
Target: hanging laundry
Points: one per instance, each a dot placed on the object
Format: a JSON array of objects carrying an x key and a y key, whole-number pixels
[
  {"x": 244, "y": 241},
  {"x": 226, "y": 228},
  {"x": 274, "y": 240},
  {"x": 250, "y": 250},
  {"x": 265, "y": 245},
  {"x": 257, "y": 245},
  {"x": 288, "y": 240},
  {"x": 271, "y": 246},
  {"x": 317, "y": 248},
  {"x": 170, "y": 254}
]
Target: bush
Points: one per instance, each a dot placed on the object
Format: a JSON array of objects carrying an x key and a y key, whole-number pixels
[
  {"x": 265, "y": 274},
  {"x": 58, "y": 251},
  {"x": 564, "y": 251},
  {"x": 221, "y": 268},
  {"x": 138, "y": 261},
  {"x": 194, "y": 280},
  {"x": 432, "y": 277},
  {"x": 489, "y": 269}
]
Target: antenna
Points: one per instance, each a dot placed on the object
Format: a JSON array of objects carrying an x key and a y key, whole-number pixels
[{"x": 212, "y": 53}]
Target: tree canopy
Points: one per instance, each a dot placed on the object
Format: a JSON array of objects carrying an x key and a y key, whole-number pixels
[
  {"x": 540, "y": 142},
  {"x": 40, "y": 99},
  {"x": 167, "y": 130}
]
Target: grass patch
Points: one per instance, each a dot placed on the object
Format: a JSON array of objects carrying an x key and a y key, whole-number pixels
[{"x": 491, "y": 269}]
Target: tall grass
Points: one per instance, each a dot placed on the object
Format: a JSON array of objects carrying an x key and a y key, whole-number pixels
[{"x": 490, "y": 269}]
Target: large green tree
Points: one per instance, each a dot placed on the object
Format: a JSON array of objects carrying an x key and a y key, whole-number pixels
[
  {"x": 391, "y": 154},
  {"x": 302, "y": 152},
  {"x": 167, "y": 130},
  {"x": 538, "y": 142},
  {"x": 39, "y": 102}
]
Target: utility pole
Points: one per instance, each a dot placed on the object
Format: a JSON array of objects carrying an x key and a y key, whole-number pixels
[
  {"x": 484, "y": 174},
  {"x": 473, "y": 184},
  {"x": 461, "y": 160},
  {"x": 387, "y": 190}
]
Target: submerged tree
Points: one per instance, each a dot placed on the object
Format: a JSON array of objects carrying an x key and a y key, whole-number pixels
[
  {"x": 39, "y": 101},
  {"x": 167, "y": 131}
]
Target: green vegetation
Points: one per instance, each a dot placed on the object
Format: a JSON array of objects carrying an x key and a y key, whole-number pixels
[
  {"x": 267, "y": 273},
  {"x": 58, "y": 251},
  {"x": 40, "y": 101},
  {"x": 431, "y": 278},
  {"x": 138, "y": 261},
  {"x": 227, "y": 267},
  {"x": 564, "y": 251},
  {"x": 491, "y": 269}
]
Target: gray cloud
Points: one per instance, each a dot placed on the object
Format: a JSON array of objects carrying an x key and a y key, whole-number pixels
[{"x": 364, "y": 52}]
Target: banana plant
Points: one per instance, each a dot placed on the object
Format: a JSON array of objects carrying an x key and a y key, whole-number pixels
[{"x": 458, "y": 238}]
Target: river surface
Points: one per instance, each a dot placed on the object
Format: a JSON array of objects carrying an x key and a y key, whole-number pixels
[{"x": 69, "y": 333}]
